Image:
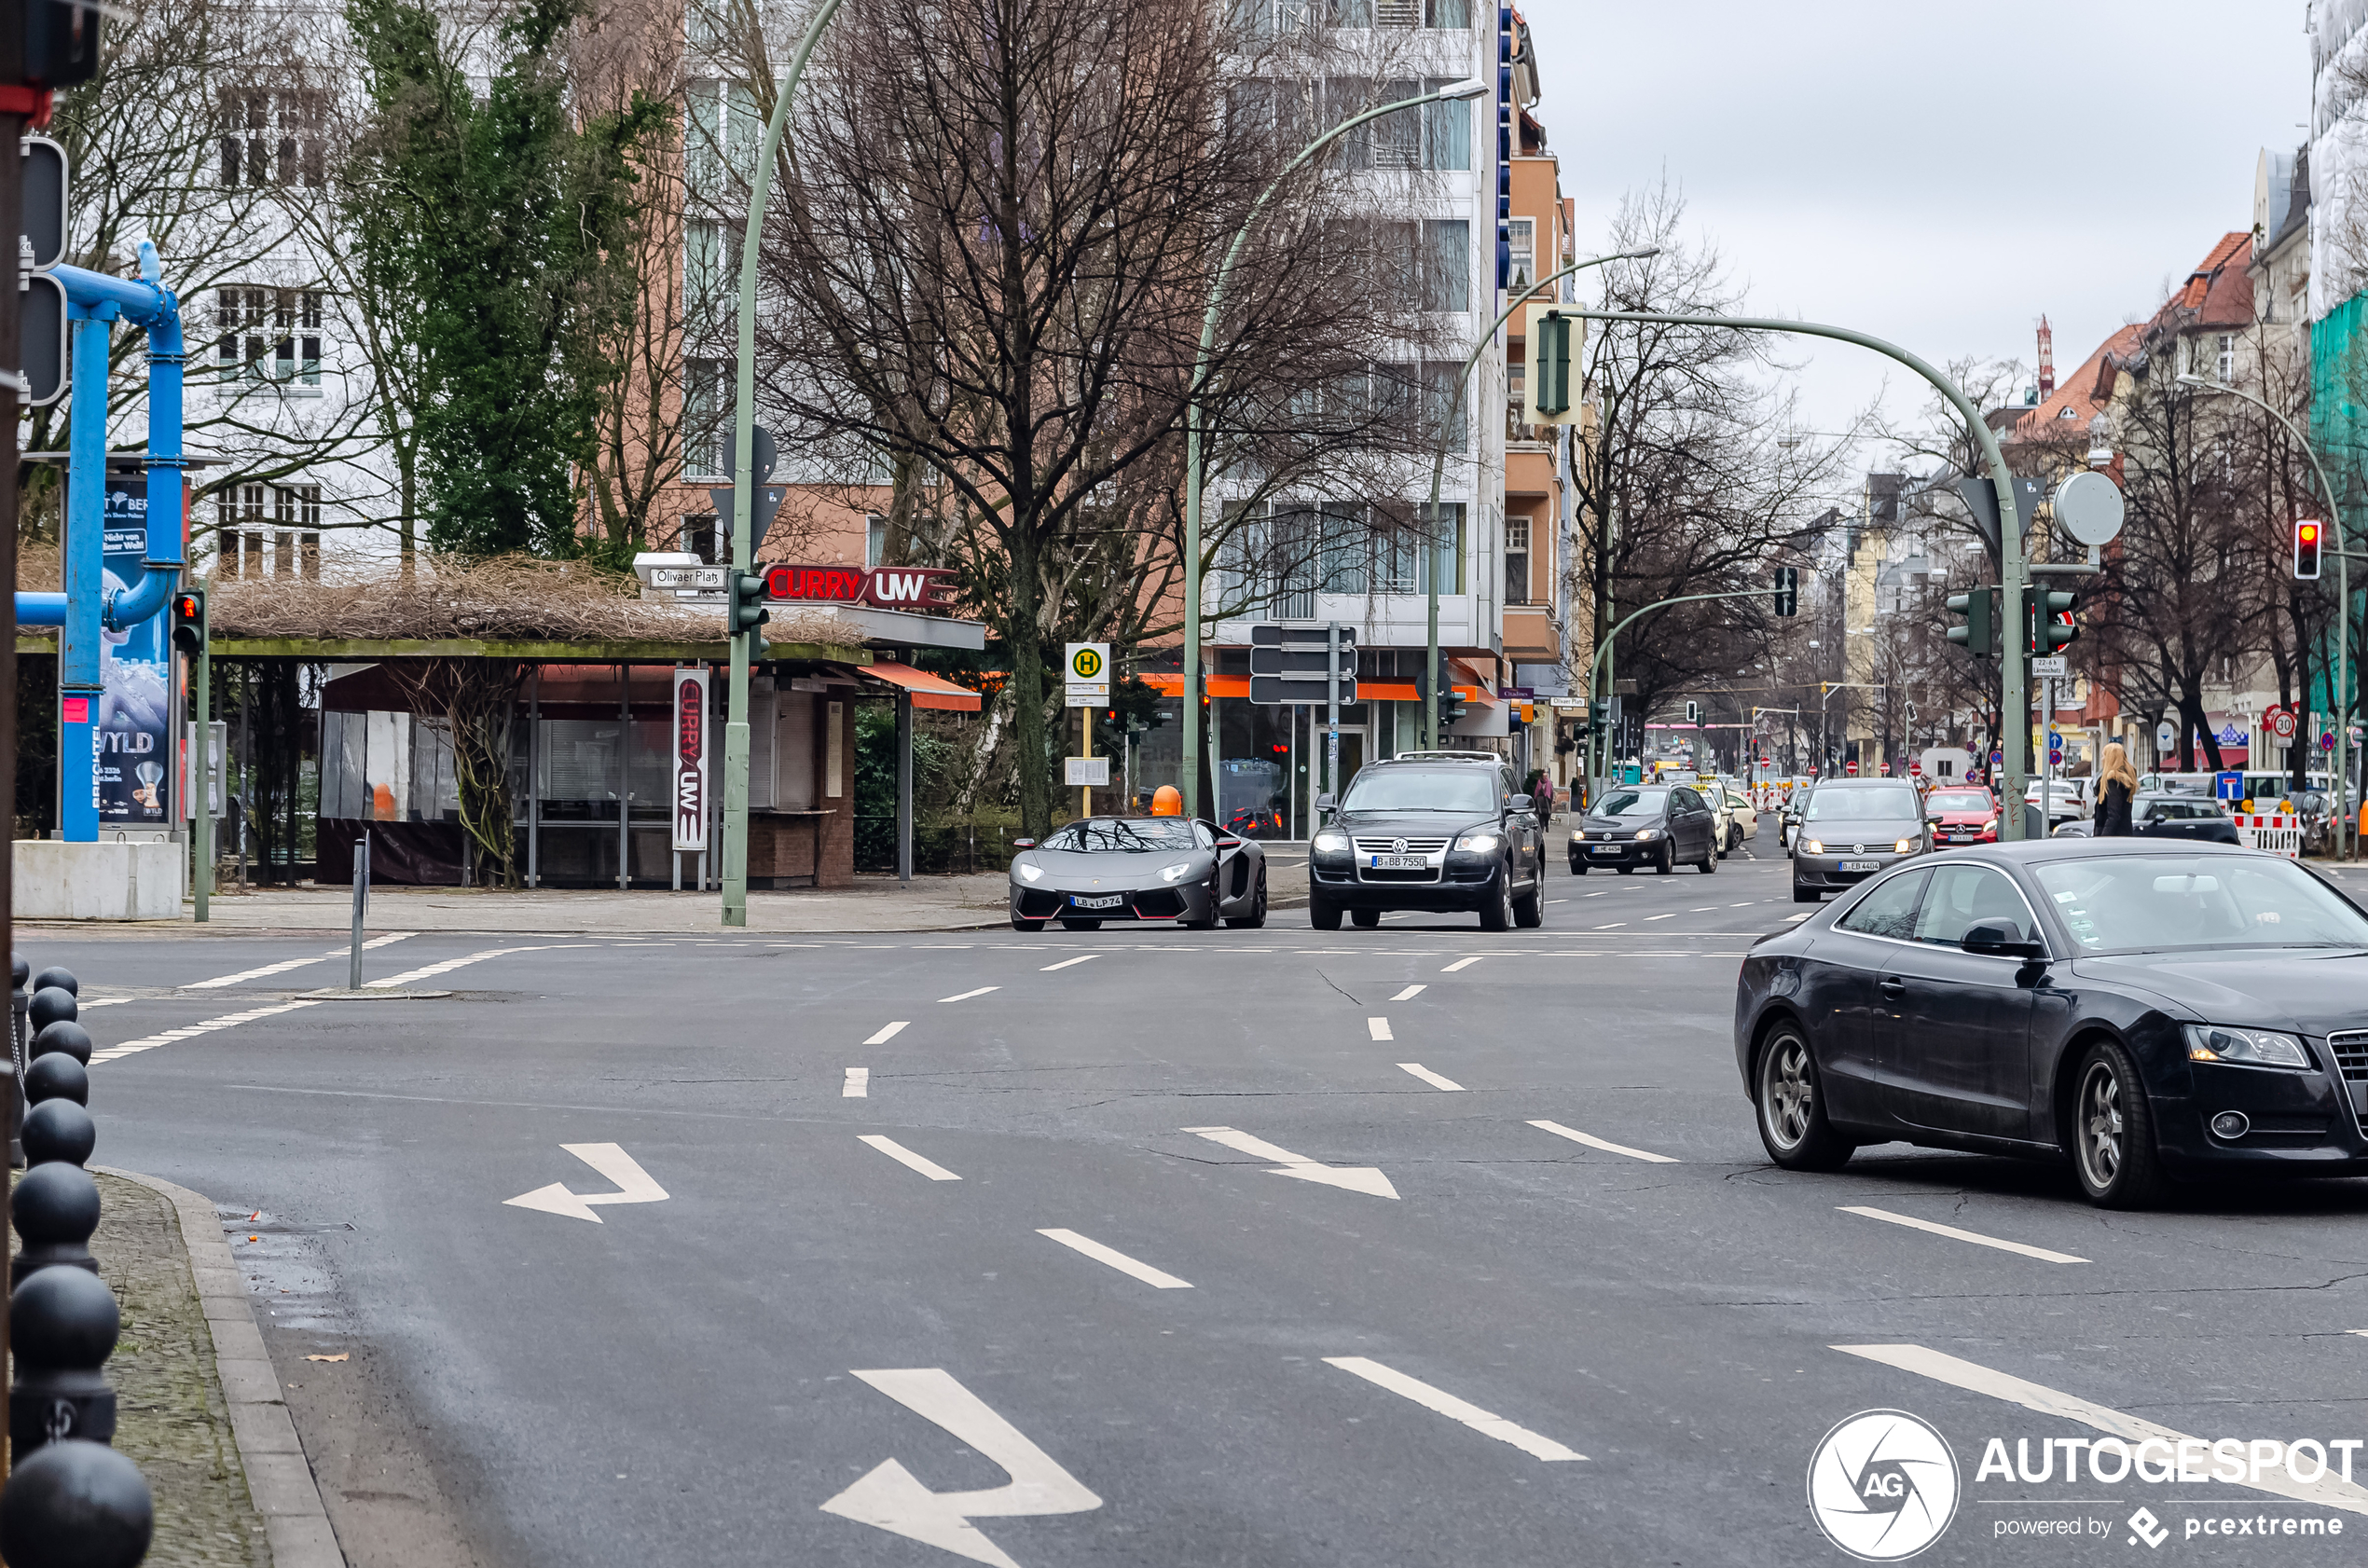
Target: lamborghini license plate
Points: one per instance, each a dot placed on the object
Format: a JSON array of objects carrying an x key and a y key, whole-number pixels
[{"x": 1108, "y": 900}]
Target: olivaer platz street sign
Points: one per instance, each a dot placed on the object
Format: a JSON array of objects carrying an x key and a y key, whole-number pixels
[{"x": 1294, "y": 664}]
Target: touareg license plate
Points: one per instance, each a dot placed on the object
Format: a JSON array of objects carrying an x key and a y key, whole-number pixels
[
  {"x": 1397, "y": 862},
  {"x": 1862, "y": 865},
  {"x": 1108, "y": 900}
]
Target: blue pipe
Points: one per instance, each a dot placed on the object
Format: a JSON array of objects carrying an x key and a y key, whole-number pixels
[
  {"x": 41, "y": 609},
  {"x": 165, "y": 361}
]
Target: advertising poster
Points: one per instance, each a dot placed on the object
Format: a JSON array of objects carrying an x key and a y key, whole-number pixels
[
  {"x": 135, "y": 673},
  {"x": 689, "y": 760}
]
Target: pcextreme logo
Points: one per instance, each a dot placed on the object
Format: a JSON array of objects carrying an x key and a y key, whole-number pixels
[{"x": 1882, "y": 1485}]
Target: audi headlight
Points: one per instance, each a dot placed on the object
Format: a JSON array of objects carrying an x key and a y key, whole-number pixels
[
  {"x": 1903, "y": 846},
  {"x": 1181, "y": 868},
  {"x": 1814, "y": 845},
  {"x": 1331, "y": 840},
  {"x": 1649, "y": 833},
  {"x": 1033, "y": 874},
  {"x": 2255, "y": 1048},
  {"x": 1480, "y": 841}
]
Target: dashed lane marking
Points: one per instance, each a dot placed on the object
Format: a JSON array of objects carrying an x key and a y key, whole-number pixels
[
  {"x": 1591, "y": 1141},
  {"x": 133, "y": 1047},
  {"x": 1446, "y": 1404},
  {"x": 1462, "y": 964},
  {"x": 1081, "y": 959},
  {"x": 1953, "y": 1233},
  {"x": 286, "y": 964},
  {"x": 2328, "y": 1491},
  {"x": 1378, "y": 1028},
  {"x": 966, "y": 996},
  {"x": 1650, "y": 919},
  {"x": 1613, "y": 926},
  {"x": 888, "y": 1034},
  {"x": 1410, "y": 992},
  {"x": 911, "y": 1161},
  {"x": 1135, "y": 1268},
  {"x": 428, "y": 972},
  {"x": 858, "y": 1085},
  {"x": 1431, "y": 1078}
]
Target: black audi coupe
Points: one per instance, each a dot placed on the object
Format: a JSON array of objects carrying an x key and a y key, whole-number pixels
[{"x": 2151, "y": 1011}]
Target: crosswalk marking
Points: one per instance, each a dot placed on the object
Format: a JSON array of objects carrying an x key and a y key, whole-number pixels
[{"x": 286, "y": 964}]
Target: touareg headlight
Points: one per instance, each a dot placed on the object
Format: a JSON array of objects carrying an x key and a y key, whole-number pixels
[
  {"x": 1481, "y": 841},
  {"x": 2253, "y": 1048},
  {"x": 1331, "y": 841}
]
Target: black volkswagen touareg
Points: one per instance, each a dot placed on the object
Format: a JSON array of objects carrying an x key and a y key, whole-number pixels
[{"x": 1430, "y": 831}]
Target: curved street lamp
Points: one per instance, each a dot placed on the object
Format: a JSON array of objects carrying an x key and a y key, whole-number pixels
[{"x": 1457, "y": 92}]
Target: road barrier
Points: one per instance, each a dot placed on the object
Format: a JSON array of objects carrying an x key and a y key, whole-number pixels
[
  {"x": 2278, "y": 835},
  {"x": 71, "y": 1501}
]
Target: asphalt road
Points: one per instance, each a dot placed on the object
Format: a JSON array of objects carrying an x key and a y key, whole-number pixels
[{"x": 1420, "y": 1329}]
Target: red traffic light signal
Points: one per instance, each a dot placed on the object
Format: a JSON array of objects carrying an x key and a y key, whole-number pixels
[
  {"x": 2307, "y": 547},
  {"x": 190, "y": 622}
]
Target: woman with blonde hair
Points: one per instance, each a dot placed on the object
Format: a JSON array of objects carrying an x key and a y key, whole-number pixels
[{"x": 2118, "y": 781}]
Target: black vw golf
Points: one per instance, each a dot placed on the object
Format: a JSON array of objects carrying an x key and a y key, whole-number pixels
[{"x": 2147, "y": 1009}]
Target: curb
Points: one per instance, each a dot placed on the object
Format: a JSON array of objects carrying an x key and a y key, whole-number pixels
[{"x": 278, "y": 1478}]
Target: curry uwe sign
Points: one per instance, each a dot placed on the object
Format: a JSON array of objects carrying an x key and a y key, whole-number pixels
[
  {"x": 689, "y": 760},
  {"x": 883, "y": 588}
]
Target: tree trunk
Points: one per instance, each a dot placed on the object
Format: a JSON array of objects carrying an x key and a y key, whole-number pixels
[{"x": 1023, "y": 644}]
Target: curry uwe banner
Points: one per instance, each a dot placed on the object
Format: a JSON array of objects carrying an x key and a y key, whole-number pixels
[
  {"x": 135, "y": 672},
  {"x": 689, "y": 760}
]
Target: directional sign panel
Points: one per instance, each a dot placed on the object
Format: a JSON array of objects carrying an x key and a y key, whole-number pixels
[
  {"x": 1275, "y": 690},
  {"x": 1294, "y": 664}
]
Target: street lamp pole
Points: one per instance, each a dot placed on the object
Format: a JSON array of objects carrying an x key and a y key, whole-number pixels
[
  {"x": 1604, "y": 646},
  {"x": 736, "y": 712},
  {"x": 1449, "y": 424},
  {"x": 2011, "y": 573},
  {"x": 1458, "y": 92},
  {"x": 2343, "y": 615}
]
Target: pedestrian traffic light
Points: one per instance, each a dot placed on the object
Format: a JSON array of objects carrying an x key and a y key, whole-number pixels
[
  {"x": 188, "y": 622},
  {"x": 2306, "y": 543},
  {"x": 2050, "y": 616},
  {"x": 1978, "y": 635},
  {"x": 1693, "y": 712},
  {"x": 1788, "y": 590},
  {"x": 747, "y": 607}
]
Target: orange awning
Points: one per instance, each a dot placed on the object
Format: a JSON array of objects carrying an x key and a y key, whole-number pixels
[
  {"x": 928, "y": 690},
  {"x": 1239, "y": 686}
]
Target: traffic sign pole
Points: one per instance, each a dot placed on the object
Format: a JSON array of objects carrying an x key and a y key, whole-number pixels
[{"x": 1332, "y": 708}]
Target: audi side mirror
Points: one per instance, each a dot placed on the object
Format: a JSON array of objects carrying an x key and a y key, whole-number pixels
[{"x": 1996, "y": 939}]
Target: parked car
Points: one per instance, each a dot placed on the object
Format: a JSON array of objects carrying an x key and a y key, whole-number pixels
[
  {"x": 2067, "y": 798},
  {"x": 1139, "y": 868},
  {"x": 1853, "y": 828},
  {"x": 1430, "y": 831},
  {"x": 1961, "y": 813},
  {"x": 2166, "y": 816},
  {"x": 2147, "y": 1009},
  {"x": 1656, "y": 825}
]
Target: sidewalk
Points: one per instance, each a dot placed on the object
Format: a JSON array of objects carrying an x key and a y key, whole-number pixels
[
  {"x": 874, "y": 904},
  {"x": 231, "y": 1485}
]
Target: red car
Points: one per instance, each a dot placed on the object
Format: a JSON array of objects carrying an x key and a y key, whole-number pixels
[{"x": 1961, "y": 813}]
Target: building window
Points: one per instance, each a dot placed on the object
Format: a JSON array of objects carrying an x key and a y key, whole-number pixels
[
  {"x": 269, "y": 333},
  {"x": 1447, "y": 263},
  {"x": 1397, "y": 139},
  {"x": 1454, "y": 16},
  {"x": 702, "y": 536},
  {"x": 1447, "y": 129},
  {"x": 720, "y": 145},
  {"x": 1521, "y": 235},
  {"x": 273, "y": 137},
  {"x": 703, "y": 405},
  {"x": 1517, "y": 560},
  {"x": 2225, "y": 360},
  {"x": 875, "y": 538}
]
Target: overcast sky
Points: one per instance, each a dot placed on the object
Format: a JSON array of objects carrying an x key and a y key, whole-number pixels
[{"x": 1938, "y": 175}]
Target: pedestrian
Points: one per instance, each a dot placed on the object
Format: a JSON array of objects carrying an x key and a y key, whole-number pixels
[
  {"x": 1544, "y": 798},
  {"x": 2119, "y": 782}
]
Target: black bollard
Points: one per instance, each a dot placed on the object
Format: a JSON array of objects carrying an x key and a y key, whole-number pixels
[
  {"x": 62, "y": 1325},
  {"x": 57, "y": 1076},
  {"x": 58, "y": 1129},
  {"x": 64, "y": 1035},
  {"x": 50, "y": 1004},
  {"x": 75, "y": 1504},
  {"x": 18, "y": 1035},
  {"x": 55, "y": 1209},
  {"x": 58, "y": 976}
]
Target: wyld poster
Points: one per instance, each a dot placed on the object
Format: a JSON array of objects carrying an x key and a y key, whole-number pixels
[{"x": 134, "y": 672}]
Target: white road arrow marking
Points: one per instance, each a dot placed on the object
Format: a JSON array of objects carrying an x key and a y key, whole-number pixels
[
  {"x": 1357, "y": 1178},
  {"x": 633, "y": 1184},
  {"x": 890, "y": 1498}
]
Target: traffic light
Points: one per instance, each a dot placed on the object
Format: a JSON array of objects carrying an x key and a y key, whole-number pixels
[
  {"x": 2052, "y": 629},
  {"x": 1553, "y": 340},
  {"x": 188, "y": 622},
  {"x": 1788, "y": 590},
  {"x": 2306, "y": 543},
  {"x": 1693, "y": 711},
  {"x": 747, "y": 607},
  {"x": 1978, "y": 635}
]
